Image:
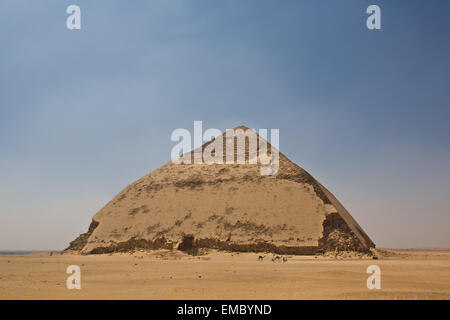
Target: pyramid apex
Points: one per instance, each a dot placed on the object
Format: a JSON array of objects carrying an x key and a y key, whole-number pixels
[{"x": 241, "y": 127}]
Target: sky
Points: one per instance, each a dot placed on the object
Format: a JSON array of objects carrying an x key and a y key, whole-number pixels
[{"x": 83, "y": 113}]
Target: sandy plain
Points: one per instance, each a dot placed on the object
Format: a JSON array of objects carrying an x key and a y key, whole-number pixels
[{"x": 405, "y": 274}]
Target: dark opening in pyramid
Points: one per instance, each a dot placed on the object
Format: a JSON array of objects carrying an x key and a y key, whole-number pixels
[{"x": 227, "y": 207}]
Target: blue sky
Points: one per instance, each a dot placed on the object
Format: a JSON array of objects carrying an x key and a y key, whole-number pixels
[{"x": 85, "y": 112}]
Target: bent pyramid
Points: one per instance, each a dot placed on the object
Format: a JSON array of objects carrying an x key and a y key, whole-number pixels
[{"x": 227, "y": 207}]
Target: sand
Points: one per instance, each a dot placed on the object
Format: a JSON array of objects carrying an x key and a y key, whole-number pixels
[{"x": 405, "y": 274}]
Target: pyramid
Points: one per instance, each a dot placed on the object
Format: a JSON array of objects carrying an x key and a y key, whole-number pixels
[{"x": 225, "y": 207}]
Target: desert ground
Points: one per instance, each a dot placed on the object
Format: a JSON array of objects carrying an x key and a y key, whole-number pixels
[{"x": 163, "y": 274}]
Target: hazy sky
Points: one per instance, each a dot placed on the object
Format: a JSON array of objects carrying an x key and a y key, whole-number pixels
[{"x": 83, "y": 113}]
